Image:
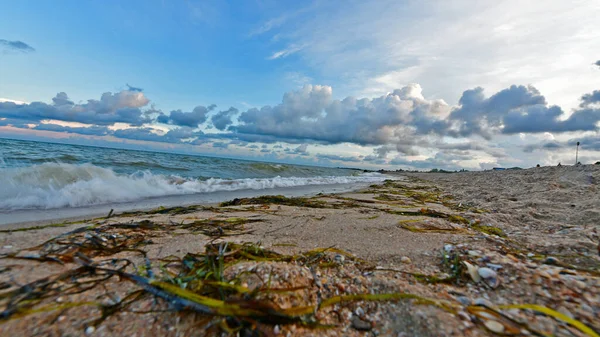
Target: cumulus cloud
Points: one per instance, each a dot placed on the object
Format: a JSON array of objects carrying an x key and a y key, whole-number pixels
[
  {"x": 191, "y": 119},
  {"x": 483, "y": 116},
  {"x": 121, "y": 107},
  {"x": 312, "y": 113},
  {"x": 222, "y": 119},
  {"x": 16, "y": 45}
]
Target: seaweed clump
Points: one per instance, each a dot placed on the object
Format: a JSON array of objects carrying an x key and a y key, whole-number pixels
[{"x": 276, "y": 200}]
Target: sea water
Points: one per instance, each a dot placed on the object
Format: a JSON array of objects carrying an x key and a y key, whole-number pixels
[{"x": 39, "y": 175}]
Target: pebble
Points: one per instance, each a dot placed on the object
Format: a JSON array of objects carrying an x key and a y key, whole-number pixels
[
  {"x": 89, "y": 330},
  {"x": 405, "y": 259},
  {"x": 551, "y": 260},
  {"x": 494, "y": 266},
  {"x": 486, "y": 273},
  {"x": 565, "y": 312},
  {"x": 448, "y": 248},
  {"x": 483, "y": 302},
  {"x": 361, "y": 325},
  {"x": 464, "y": 300},
  {"x": 339, "y": 258},
  {"x": 359, "y": 311},
  {"x": 276, "y": 329},
  {"x": 494, "y": 326}
]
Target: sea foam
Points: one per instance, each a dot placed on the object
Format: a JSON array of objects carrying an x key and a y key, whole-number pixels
[{"x": 57, "y": 185}]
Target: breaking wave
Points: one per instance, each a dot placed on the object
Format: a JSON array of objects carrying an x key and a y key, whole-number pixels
[{"x": 57, "y": 185}]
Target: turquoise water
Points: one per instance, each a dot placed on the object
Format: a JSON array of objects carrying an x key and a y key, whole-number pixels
[{"x": 37, "y": 175}]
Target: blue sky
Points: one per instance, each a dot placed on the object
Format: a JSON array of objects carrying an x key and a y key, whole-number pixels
[{"x": 463, "y": 84}]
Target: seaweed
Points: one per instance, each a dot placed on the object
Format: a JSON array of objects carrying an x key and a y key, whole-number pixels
[
  {"x": 488, "y": 229},
  {"x": 277, "y": 200},
  {"x": 194, "y": 283}
]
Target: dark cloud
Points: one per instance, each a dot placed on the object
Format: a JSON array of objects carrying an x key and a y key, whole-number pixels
[
  {"x": 94, "y": 130},
  {"x": 337, "y": 158},
  {"x": 484, "y": 116},
  {"x": 221, "y": 145},
  {"x": 597, "y": 63},
  {"x": 149, "y": 134},
  {"x": 191, "y": 119},
  {"x": 442, "y": 160},
  {"x": 222, "y": 119},
  {"x": 16, "y": 45},
  {"x": 302, "y": 149},
  {"x": 547, "y": 145},
  {"x": 590, "y": 98},
  {"x": 121, "y": 107},
  {"x": 539, "y": 118},
  {"x": 130, "y": 88}
]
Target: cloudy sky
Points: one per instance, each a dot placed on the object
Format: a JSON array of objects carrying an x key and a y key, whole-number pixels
[{"x": 373, "y": 84}]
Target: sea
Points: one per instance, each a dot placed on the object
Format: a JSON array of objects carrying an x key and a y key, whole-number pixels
[{"x": 36, "y": 177}]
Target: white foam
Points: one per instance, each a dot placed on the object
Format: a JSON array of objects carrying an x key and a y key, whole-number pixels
[{"x": 57, "y": 185}]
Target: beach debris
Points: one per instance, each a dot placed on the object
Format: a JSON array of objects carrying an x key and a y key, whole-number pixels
[{"x": 361, "y": 325}]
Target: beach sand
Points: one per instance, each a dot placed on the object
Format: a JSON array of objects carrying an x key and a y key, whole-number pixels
[{"x": 529, "y": 237}]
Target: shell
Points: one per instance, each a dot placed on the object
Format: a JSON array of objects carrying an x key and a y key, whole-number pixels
[
  {"x": 494, "y": 326},
  {"x": 472, "y": 270}
]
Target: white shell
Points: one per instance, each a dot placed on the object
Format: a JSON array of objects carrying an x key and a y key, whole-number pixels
[
  {"x": 494, "y": 326},
  {"x": 472, "y": 271}
]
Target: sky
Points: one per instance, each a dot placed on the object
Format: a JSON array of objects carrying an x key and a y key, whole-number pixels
[{"x": 371, "y": 84}]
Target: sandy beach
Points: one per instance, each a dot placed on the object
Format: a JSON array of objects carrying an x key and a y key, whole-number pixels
[{"x": 462, "y": 254}]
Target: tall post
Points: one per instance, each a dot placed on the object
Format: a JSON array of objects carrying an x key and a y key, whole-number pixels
[{"x": 577, "y": 154}]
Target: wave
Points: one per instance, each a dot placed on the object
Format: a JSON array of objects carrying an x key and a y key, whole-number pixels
[{"x": 57, "y": 185}]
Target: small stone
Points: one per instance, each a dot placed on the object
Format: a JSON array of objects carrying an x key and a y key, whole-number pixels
[
  {"x": 494, "y": 266},
  {"x": 359, "y": 311},
  {"x": 405, "y": 259},
  {"x": 551, "y": 260},
  {"x": 361, "y": 325},
  {"x": 474, "y": 253},
  {"x": 276, "y": 330},
  {"x": 483, "y": 302},
  {"x": 464, "y": 300},
  {"x": 448, "y": 248},
  {"x": 486, "y": 273},
  {"x": 565, "y": 312},
  {"x": 89, "y": 330},
  {"x": 494, "y": 326},
  {"x": 7, "y": 247},
  {"x": 339, "y": 258}
]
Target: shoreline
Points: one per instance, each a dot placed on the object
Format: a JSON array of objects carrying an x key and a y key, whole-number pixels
[
  {"x": 36, "y": 217},
  {"x": 429, "y": 255}
]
